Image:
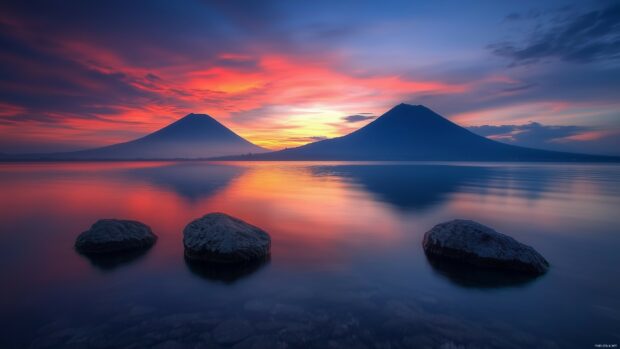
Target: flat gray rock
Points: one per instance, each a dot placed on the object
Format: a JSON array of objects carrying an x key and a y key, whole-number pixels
[
  {"x": 473, "y": 243},
  {"x": 220, "y": 238},
  {"x": 115, "y": 235}
]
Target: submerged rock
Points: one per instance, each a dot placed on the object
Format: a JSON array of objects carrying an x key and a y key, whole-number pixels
[
  {"x": 220, "y": 238},
  {"x": 473, "y": 243},
  {"x": 114, "y": 235},
  {"x": 116, "y": 259},
  {"x": 228, "y": 273},
  {"x": 232, "y": 331},
  {"x": 472, "y": 276}
]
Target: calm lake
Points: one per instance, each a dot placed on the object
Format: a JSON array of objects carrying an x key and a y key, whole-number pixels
[{"x": 347, "y": 268}]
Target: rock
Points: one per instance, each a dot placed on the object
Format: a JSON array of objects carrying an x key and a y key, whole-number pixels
[
  {"x": 220, "y": 238},
  {"x": 140, "y": 311},
  {"x": 398, "y": 309},
  {"x": 347, "y": 342},
  {"x": 288, "y": 310},
  {"x": 261, "y": 342},
  {"x": 232, "y": 331},
  {"x": 208, "y": 342},
  {"x": 180, "y": 320},
  {"x": 299, "y": 335},
  {"x": 258, "y": 305},
  {"x": 114, "y": 235},
  {"x": 169, "y": 345},
  {"x": 269, "y": 325},
  {"x": 473, "y": 243}
]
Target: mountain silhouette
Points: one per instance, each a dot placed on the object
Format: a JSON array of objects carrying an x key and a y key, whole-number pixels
[
  {"x": 414, "y": 132},
  {"x": 195, "y": 136}
]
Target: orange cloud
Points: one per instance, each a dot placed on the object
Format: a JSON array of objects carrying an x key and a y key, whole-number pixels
[
  {"x": 590, "y": 136},
  {"x": 545, "y": 112},
  {"x": 274, "y": 99}
]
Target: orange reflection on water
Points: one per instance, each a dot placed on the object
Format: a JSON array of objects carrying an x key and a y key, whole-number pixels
[
  {"x": 321, "y": 216},
  {"x": 309, "y": 217},
  {"x": 315, "y": 221}
]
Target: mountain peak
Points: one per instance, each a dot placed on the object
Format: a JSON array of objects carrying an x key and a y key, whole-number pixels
[
  {"x": 195, "y": 116},
  {"x": 194, "y": 121},
  {"x": 409, "y": 115},
  {"x": 410, "y": 108}
]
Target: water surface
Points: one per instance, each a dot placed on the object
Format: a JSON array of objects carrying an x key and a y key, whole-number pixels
[{"x": 347, "y": 268}]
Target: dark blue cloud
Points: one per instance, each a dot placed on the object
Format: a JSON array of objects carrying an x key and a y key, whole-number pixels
[
  {"x": 533, "y": 133},
  {"x": 46, "y": 83},
  {"x": 358, "y": 117},
  {"x": 582, "y": 38},
  {"x": 152, "y": 34},
  {"x": 552, "y": 137},
  {"x": 307, "y": 139}
]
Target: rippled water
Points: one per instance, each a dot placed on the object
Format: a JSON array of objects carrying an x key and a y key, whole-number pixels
[{"x": 347, "y": 268}]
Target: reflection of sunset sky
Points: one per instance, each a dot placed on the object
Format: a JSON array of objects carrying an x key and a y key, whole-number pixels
[
  {"x": 317, "y": 221},
  {"x": 287, "y": 202},
  {"x": 284, "y": 73}
]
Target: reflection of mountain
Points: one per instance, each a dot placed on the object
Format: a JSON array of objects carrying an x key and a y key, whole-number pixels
[
  {"x": 192, "y": 180},
  {"x": 408, "y": 186},
  {"x": 527, "y": 181}
]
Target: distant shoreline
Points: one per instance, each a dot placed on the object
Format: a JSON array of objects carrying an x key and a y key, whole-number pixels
[{"x": 605, "y": 160}]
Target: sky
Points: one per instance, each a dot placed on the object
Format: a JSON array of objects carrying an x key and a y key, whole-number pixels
[{"x": 83, "y": 74}]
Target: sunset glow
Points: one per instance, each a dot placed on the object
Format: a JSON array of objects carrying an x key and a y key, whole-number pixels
[{"x": 277, "y": 78}]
